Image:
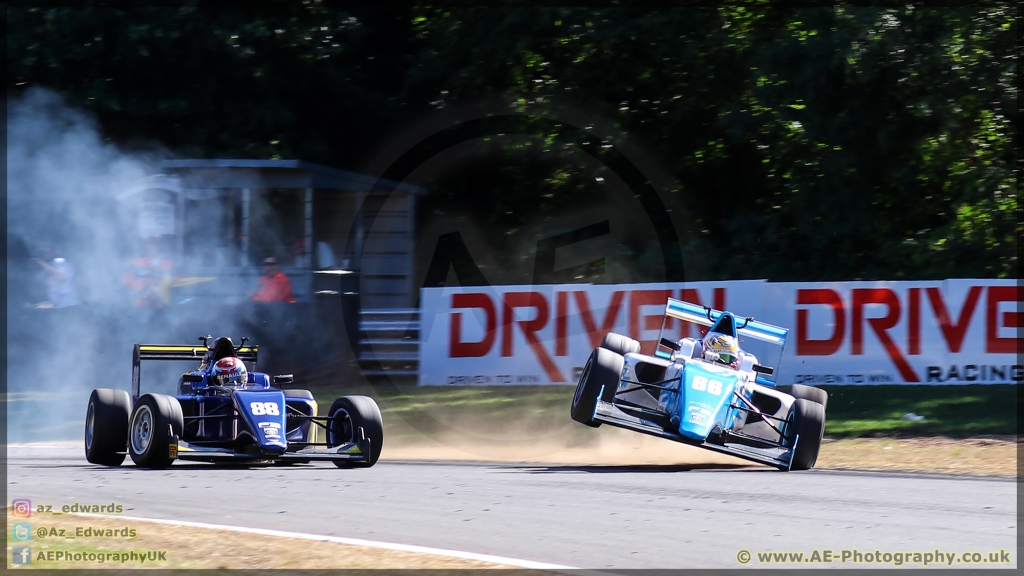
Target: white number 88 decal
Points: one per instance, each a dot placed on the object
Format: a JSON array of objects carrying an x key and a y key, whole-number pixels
[
  {"x": 264, "y": 408},
  {"x": 712, "y": 386}
]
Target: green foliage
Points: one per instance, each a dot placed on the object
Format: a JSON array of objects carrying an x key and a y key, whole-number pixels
[{"x": 804, "y": 143}]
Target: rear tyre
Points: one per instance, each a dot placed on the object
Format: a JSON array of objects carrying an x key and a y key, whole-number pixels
[
  {"x": 155, "y": 423},
  {"x": 816, "y": 395},
  {"x": 348, "y": 414},
  {"x": 106, "y": 426},
  {"x": 806, "y": 425},
  {"x": 620, "y": 344},
  {"x": 603, "y": 370}
]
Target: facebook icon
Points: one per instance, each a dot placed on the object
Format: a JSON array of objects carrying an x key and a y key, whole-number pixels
[{"x": 21, "y": 555}]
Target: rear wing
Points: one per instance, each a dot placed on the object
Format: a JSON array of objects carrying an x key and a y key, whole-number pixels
[
  {"x": 177, "y": 352},
  {"x": 746, "y": 327},
  {"x": 707, "y": 316}
]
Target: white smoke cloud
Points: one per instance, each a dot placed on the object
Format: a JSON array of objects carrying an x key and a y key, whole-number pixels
[{"x": 63, "y": 181}]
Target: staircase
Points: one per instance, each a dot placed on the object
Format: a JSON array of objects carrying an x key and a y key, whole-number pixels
[{"x": 389, "y": 342}]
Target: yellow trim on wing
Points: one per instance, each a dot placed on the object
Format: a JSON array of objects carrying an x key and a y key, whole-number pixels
[{"x": 187, "y": 348}]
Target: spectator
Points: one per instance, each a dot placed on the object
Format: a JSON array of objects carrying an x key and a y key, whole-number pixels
[
  {"x": 59, "y": 278},
  {"x": 148, "y": 275},
  {"x": 274, "y": 285}
]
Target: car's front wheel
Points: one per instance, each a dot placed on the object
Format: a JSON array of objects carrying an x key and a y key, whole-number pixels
[
  {"x": 600, "y": 378},
  {"x": 106, "y": 426},
  {"x": 620, "y": 344},
  {"x": 805, "y": 426},
  {"x": 156, "y": 423},
  {"x": 348, "y": 415},
  {"x": 811, "y": 393}
]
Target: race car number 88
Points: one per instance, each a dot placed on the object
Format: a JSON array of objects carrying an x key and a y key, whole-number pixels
[
  {"x": 702, "y": 383},
  {"x": 264, "y": 408}
]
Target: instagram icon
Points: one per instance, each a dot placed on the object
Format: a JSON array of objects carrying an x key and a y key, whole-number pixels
[{"x": 21, "y": 508}]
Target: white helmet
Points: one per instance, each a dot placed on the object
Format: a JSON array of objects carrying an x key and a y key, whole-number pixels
[
  {"x": 230, "y": 371},
  {"x": 722, "y": 348}
]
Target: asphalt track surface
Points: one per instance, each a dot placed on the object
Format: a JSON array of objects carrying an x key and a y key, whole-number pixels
[{"x": 584, "y": 516}]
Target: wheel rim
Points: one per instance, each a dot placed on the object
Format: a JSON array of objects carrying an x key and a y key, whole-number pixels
[
  {"x": 90, "y": 424},
  {"x": 142, "y": 429},
  {"x": 579, "y": 386},
  {"x": 341, "y": 427}
]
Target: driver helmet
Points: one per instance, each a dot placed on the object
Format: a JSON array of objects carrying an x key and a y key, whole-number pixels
[
  {"x": 230, "y": 371},
  {"x": 723, "y": 349}
]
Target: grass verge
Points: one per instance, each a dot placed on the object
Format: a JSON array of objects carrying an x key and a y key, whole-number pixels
[
  {"x": 853, "y": 411},
  {"x": 169, "y": 546}
]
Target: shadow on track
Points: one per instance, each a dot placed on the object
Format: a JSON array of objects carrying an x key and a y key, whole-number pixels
[{"x": 644, "y": 468}]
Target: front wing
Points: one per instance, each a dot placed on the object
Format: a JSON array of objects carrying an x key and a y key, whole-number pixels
[
  {"x": 645, "y": 421},
  {"x": 352, "y": 452}
]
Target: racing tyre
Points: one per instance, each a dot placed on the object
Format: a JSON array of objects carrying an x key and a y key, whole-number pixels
[
  {"x": 349, "y": 414},
  {"x": 106, "y": 426},
  {"x": 816, "y": 395},
  {"x": 620, "y": 344},
  {"x": 298, "y": 394},
  {"x": 156, "y": 422},
  {"x": 603, "y": 369},
  {"x": 806, "y": 422}
]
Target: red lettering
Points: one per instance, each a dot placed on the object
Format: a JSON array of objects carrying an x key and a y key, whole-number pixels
[
  {"x": 954, "y": 333},
  {"x": 607, "y": 324},
  {"x": 638, "y": 298},
  {"x": 914, "y": 327},
  {"x": 561, "y": 324},
  {"x": 881, "y": 326},
  {"x": 536, "y": 300},
  {"x": 456, "y": 347},
  {"x": 993, "y": 343},
  {"x": 808, "y": 347}
]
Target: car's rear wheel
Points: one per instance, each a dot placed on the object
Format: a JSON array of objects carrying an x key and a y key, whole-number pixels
[
  {"x": 106, "y": 426},
  {"x": 620, "y": 344},
  {"x": 347, "y": 415},
  {"x": 602, "y": 372},
  {"x": 156, "y": 422},
  {"x": 816, "y": 395},
  {"x": 805, "y": 426}
]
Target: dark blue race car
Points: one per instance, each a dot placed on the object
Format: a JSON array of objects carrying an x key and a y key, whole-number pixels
[{"x": 225, "y": 412}]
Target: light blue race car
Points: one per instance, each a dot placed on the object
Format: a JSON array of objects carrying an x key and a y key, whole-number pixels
[{"x": 705, "y": 392}]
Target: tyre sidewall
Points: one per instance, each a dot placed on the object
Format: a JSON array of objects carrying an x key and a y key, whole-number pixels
[
  {"x": 363, "y": 413},
  {"x": 806, "y": 421},
  {"x": 167, "y": 419},
  {"x": 111, "y": 412}
]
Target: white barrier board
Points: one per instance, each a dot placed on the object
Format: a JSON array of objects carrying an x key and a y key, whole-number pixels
[{"x": 916, "y": 332}]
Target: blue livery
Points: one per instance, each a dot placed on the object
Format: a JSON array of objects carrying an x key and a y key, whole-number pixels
[
  {"x": 686, "y": 392},
  {"x": 216, "y": 419}
]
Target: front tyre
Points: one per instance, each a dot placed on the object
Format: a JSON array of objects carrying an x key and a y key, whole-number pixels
[
  {"x": 602, "y": 372},
  {"x": 806, "y": 425},
  {"x": 156, "y": 422},
  {"x": 347, "y": 415},
  {"x": 816, "y": 395},
  {"x": 620, "y": 344},
  {"x": 106, "y": 426}
]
